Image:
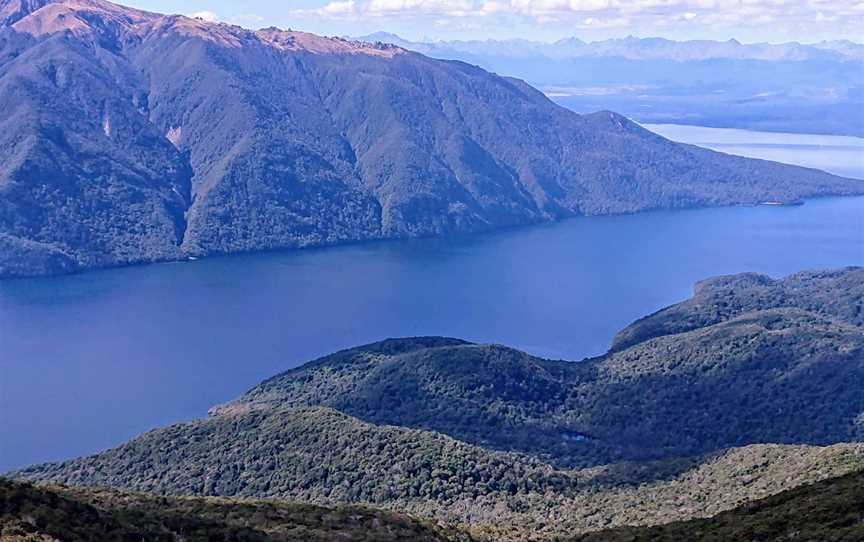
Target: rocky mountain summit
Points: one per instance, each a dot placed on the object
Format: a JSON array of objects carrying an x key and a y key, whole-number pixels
[{"x": 134, "y": 137}]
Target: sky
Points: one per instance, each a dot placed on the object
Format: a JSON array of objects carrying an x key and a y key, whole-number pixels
[{"x": 544, "y": 20}]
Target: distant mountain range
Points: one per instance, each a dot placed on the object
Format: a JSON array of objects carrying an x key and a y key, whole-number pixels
[
  {"x": 790, "y": 87},
  {"x": 136, "y": 137},
  {"x": 633, "y": 48},
  {"x": 741, "y": 392}
]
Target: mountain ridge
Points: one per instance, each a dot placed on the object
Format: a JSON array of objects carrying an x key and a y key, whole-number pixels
[
  {"x": 135, "y": 137},
  {"x": 39, "y": 513},
  {"x": 812, "y": 88},
  {"x": 635, "y": 48},
  {"x": 826, "y": 511}
]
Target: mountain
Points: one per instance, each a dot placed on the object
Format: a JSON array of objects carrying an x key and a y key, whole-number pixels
[
  {"x": 30, "y": 514},
  {"x": 739, "y": 393},
  {"x": 829, "y": 511},
  {"x": 137, "y": 137},
  {"x": 790, "y": 87},
  {"x": 844, "y": 47},
  {"x": 633, "y": 48}
]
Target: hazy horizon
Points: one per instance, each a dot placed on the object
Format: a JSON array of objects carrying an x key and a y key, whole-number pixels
[{"x": 775, "y": 22}]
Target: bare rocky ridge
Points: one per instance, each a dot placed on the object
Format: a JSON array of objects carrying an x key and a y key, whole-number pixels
[{"x": 136, "y": 137}]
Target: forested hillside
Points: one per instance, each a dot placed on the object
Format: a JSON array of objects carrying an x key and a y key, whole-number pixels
[
  {"x": 135, "y": 137},
  {"x": 739, "y": 393}
]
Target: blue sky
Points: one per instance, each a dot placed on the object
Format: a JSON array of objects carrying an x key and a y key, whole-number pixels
[{"x": 745, "y": 20}]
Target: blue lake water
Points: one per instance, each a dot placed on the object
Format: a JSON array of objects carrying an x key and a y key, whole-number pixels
[
  {"x": 841, "y": 155},
  {"x": 88, "y": 361}
]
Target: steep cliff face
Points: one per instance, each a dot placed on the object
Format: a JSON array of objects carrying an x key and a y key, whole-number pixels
[{"x": 138, "y": 137}]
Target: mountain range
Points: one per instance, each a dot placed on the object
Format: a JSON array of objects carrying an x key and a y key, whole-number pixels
[
  {"x": 737, "y": 394},
  {"x": 136, "y": 137},
  {"x": 633, "y": 48},
  {"x": 790, "y": 87}
]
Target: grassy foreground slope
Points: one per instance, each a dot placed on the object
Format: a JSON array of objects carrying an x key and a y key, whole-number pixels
[
  {"x": 321, "y": 456},
  {"x": 827, "y": 511},
  {"x": 48, "y": 514}
]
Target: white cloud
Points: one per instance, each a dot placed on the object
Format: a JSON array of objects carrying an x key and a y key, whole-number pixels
[
  {"x": 789, "y": 16},
  {"x": 208, "y": 16},
  {"x": 246, "y": 19}
]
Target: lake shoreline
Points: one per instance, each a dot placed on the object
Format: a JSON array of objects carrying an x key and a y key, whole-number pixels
[{"x": 457, "y": 236}]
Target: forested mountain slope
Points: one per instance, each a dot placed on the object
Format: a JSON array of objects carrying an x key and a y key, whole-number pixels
[
  {"x": 324, "y": 457},
  {"x": 132, "y": 137}
]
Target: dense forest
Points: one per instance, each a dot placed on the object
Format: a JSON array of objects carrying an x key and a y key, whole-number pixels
[
  {"x": 504, "y": 444},
  {"x": 137, "y": 137}
]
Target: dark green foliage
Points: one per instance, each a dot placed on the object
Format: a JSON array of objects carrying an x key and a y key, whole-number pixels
[
  {"x": 838, "y": 294},
  {"x": 785, "y": 370},
  {"x": 827, "y": 511},
  {"x": 41, "y": 514},
  {"x": 716, "y": 392},
  {"x": 488, "y": 395},
  {"x": 139, "y": 137},
  {"x": 313, "y": 454}
]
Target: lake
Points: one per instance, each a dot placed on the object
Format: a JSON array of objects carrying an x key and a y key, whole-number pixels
[
  {"x": 841, "y": 155},
  {"x": 87, "y": 361}
]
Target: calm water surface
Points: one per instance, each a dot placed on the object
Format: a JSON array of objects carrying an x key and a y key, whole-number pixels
[
  {"x": 87, "y": 361},
  {"x": 841, "y": 155}
]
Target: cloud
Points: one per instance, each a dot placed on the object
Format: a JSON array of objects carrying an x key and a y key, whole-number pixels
[
  {"x": 208, "y": 16},
  {"x": 788, "y": 14},
  {"x": 339, "y": 7},
  {"x": 245, "y": 19},
  {"x": 248, "y": 20}
]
